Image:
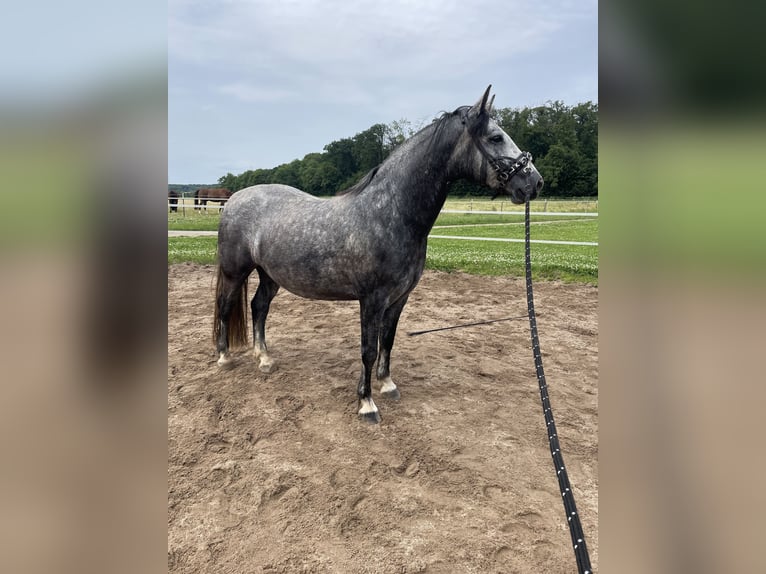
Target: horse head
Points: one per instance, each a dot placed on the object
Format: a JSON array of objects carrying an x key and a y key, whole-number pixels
[{"x": 497, "y": 161}]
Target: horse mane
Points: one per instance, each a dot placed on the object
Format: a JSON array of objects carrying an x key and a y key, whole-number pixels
[
  {"x": 434, "y": 141},
  {"x": 441, "y": 121},
  {"x": 362, "y": 184}
]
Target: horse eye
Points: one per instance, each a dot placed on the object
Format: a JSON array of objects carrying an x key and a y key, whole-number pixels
[{"x": 496, "y": 139}]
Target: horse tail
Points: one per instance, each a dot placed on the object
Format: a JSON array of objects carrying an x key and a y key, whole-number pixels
[{"x": 237, "y": 320}]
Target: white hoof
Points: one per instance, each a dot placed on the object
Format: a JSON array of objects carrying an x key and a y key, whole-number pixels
[
  {"x": 265, "y": 365},
  {"x": 224, "y": 360},
  {"x": 367, "y": 406},
  {"x": 387, "y": 386},
  {"x": 368, "y": 411}
]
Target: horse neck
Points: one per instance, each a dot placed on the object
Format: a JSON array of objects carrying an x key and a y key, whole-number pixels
[{"x": 421, "y": 170}]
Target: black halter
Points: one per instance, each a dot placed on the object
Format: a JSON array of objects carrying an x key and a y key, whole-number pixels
[{"x": 505, "y": 167}]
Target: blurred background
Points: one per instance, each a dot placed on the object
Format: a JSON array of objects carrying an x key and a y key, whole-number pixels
[
  {"x": 83, "y": 148},
  {"x": 682, "y": 310}
]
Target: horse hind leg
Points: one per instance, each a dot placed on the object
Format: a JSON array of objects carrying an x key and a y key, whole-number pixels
[
  {"x": 267, "y": 289},
  {"x": 388, "y": 327},
  {"x": 229, "y": 321}
]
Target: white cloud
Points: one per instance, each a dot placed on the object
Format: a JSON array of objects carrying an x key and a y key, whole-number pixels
[
  {"x": 367, "y": 37},
  {"x": 352, "y": 64},
  {"x": 348, "y": 52},
  {"x": 250, "y": 93}
]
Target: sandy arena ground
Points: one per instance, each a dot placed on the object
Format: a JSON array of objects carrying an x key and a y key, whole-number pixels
[{"x": 276, "y": 474}]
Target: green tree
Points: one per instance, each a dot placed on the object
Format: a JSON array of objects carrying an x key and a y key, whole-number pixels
[
  {"x": 561, "y": 170},
  {"x": 369, "y": 148},
  {"x": 287, "y": 174},
  {"x": 318, "y": 176},
  {"x": 563, "y": 141},
  {"x": 395, "y": 133},
  {"x": 229, "y": 181},
  {"x": 340, "y": 154}
]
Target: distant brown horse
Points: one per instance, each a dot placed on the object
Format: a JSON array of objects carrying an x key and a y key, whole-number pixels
[
  {"x": 203, "y": 195},
  {"x": 173, "y": 200}
]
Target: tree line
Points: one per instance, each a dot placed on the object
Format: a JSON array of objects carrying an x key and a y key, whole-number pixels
[{"x": 563, "y": 141}]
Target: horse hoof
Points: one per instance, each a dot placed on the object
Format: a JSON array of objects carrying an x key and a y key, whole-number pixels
[
  {"x": 225, "y": 362},
  {"x": 372, "y": 418},
  {"x": 392, "y": 395},
  {"x": 266, "y": 368}
]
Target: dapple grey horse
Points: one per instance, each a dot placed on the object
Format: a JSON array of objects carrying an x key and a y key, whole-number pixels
[{"x": 368, "y": 243}]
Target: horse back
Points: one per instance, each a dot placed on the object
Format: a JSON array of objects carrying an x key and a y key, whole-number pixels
[{"x": 323, "y": 248}]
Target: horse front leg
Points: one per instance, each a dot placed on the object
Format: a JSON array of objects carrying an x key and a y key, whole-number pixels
[
  {"x": 370, "y": 318},
  {"x": 387, "y": 333}
]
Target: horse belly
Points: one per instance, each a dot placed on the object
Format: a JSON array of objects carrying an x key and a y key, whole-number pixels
[
  {"x": 340, "y": 274},
  {"x": 312, "y": 275},
  {"x": 319, "y": 252},
  {"x": 321, "y": 292},
  {"x": 314, "y": 285}
]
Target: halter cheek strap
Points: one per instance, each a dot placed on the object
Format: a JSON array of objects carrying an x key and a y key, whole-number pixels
[
  {"x": 483, "y": 169},
  {"x": 514, "y": 165},
  {"x": 505, "y": 167}
]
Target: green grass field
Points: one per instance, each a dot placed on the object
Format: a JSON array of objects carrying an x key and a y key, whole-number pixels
[
  {"x": 193, "y": 220},
  {"x": 569, "y": 229},
  {"x": 571, "y": 263},
  {"x": 187, "y": 218},
  {"x": 688, "y": 214},
  {"x": 191, "y": 249}
]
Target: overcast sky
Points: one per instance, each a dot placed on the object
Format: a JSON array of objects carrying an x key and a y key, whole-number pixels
[{"x": 257, "y": 83}]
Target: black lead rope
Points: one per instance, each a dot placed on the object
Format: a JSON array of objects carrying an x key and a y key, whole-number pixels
[
  {"x": 415, "y": 333},
  {"x": 575, "y": 529}
]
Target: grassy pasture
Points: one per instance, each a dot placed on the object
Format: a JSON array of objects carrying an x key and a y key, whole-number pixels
[
  {"x": 192, "y": 249},
  {"x": 194, "y": 220},
  {"x": 569, "y": 263},
  {"x": 187, "y": 218},
  {"x": 548, "y": 228},
  {"x": 503, "y": 205},
  {"x": 563, "y": 262}
]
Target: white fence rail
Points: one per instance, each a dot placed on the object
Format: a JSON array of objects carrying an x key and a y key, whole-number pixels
[
  {"x": 510, "y": 240},
  {"x": 453, "y": 211},
  {"x": 556, "y": 213}
]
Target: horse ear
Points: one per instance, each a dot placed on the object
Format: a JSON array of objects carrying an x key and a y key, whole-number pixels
[
  {"x": 481, "y": 106},
  {"x": 491, "y": 102}
]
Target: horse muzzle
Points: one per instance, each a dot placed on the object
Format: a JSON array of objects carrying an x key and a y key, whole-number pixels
[
  {"x": 525, "y": 186},
  {"x": 517, "y": 177}
]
